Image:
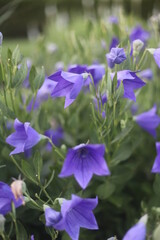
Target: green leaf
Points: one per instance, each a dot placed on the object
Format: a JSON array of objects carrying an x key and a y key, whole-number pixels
[
  {"x": 6, "y": 111},
  {"x": 32, "y": 76},
  {"x": 105, "y": 190},
  {"x": 119, "y": 92},
  {"x": 38, "y": 163},
  {"x": 20, "y": 75},
  {"x": 50, "y": 179},
  {"x": 156, "y": 185},
  {"x": 16, "y": 55},
  {"x": 22, "y": 234},
  {"x": 156, "y": 233},
  {"x": 36, "y": 78},
  {"x": 28, "y": 171},
  {"x": 123, "y": 134}
]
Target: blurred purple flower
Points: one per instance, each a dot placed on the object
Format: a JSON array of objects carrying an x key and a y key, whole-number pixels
[
  {"x": 130, "y": 82},
  {"x": 139, "y": 33},
  {"x": 32, "y": 237},
  {"x": 26, "y": 83},
  {"x": 68, "y": 85},
  {"x": 6, "y": 199},
  {"x": 103, "y": 44},
  {"x": 102, "y": 101},
  {"x": 77, "y": 68},
  {"x": 134, "y": 108},
  {"x": 83, "y": 161},
  {"x": 55, "y": 135},
  {"x": 24, "y": 137},
  {"x": 42, "y": 95},
  {"x": 113, "y": 19},
  {"x": 1, "y": 38},
  {"x": 75, "y": 213},
  {"x": 114, "y": 43},
  {"x": 146, "y": 74},
  {"x": 156, "y": 165},
  {"x": 116, "y": 56},
  {"x": 149, "y": 121},
  {"x": 156, "y": 56}
]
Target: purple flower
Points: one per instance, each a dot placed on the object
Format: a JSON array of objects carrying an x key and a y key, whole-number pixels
[
  {"x": 102, "y": 101},
  {"x": 146, "y": 74},
  {"x": 130, "y": 82},
  {"x": 32, "y": 237},
  {"x": 83, "y": 161},
  {"x": 24, "y": 137},
  {"x": 96, "y": 70},
  {"x": 68, "y": 85},
  {"x": 138, "y": 231},
  {"x": 149, "y": 121},
  {"x": 1, "y": 38},
  {"x": 6, "y": 199},
  {"x": 113, "y": 19},
  {"x": 139, "y": 33},
  {"x": 116, "y": 56},
  {"x": 156, "y": 56},
  {"x": 156, "y": 165},
  {"x": 114, "y": 43},
  {"x": 42, "y": 95},
  {"x": 75, "y": 213},
  {"x": 26, "y": 83},
  {"x": 55, "y": 135},
  {"x": 134, "y": 108}
]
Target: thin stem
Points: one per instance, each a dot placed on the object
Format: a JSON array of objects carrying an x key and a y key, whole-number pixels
[
  {"x": 3, "y": 236},
  {"x": 15, "y": 162},
  {"x": 56, "y": 149},
  {"x": 142, "y": 58}
]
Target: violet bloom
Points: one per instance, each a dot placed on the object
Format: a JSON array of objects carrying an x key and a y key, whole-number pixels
[
  {"x": 139, "y": 33},
  {"x": 55, "y": 135},
  {"x": 77, "y": 68},
  {"x": 116, "y": 56},
  {"x": 83, "y": 161},
  {"x": 156, "y": 56},
  {"x": 130, "y": 82},
  {"x": 156, "y": 165},
  {"x": 75, "y": 213},
  {"x": 102, "y": 101},
  {"x": 113, "y": 19},
  {"x": 6, "y": 199},
  {"x": 149, "y": 121},
  {"x": 68, "y": 85},
  {"x": 43, "y": 94},
  {"x": 1, "y": 38},
  {"x": 138, "y": 231},
  {"x": 146, "y": 74},
  {"x": 24, "y": 137},
  {"x": 114, "y": 43}
]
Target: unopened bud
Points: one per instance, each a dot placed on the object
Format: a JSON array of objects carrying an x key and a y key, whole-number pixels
[
  {"x": 18, "y": 187},
  {"x": 2, "y": 222},
  {"x": 137, "y": 47}
]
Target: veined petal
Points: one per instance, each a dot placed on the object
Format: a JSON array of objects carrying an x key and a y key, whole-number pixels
[{"x": 32, "y": 138}]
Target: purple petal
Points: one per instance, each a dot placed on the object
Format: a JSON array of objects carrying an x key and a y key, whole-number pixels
[
  {"x": 137, "y": 232},
  {"x": 156, "y": 56},
  {"x": 156, "y": 165}
]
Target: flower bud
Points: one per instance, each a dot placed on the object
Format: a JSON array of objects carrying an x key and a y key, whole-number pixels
[
  {"x": 2, "y": 222},
  {"x": 137, "y": 47},
  {"x": 18, "y": 187}
]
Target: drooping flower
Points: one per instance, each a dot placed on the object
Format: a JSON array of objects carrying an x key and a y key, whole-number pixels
[
  {"x": 24, "y": 137},
  {"x": 156, "y": 56},
  {"x": 42, "y": 95},
  {"x": 96, "y": 70},
  {"x": 116, "y": 56},
  {"x": 17, "y": 187},
  {"x": 68, "y": 85},
  {"x": 75, "y": 213},
  {"x": 32, "y": 237},
  {"x": 146, "y": 74},
  {"x": 7, "y": 198},
  {"x": 139, "y": 33},
  {"x": 114, "y": 43},
  {"x": 149, "y": 121},
  {"x": 130, "y": 82},
  {"x": 56, "y": 135},
  {"x": 138, "y": 231},
  {"x": 83, "y": 161},
  {"x": 156, "y": 165}
]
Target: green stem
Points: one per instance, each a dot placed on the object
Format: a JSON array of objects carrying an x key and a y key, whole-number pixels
[
  {"x": 4, "y": 91},
  {"x": 3, "y": 236},
  {"x": 12, "y": 100},
  {"x": 142, "y": 58},
  {"x": 56, "y": 149},
  {"x": 15, "y": 162}
]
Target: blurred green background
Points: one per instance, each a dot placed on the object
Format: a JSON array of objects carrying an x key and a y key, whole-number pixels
[{"x": 19, "y": 17}]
